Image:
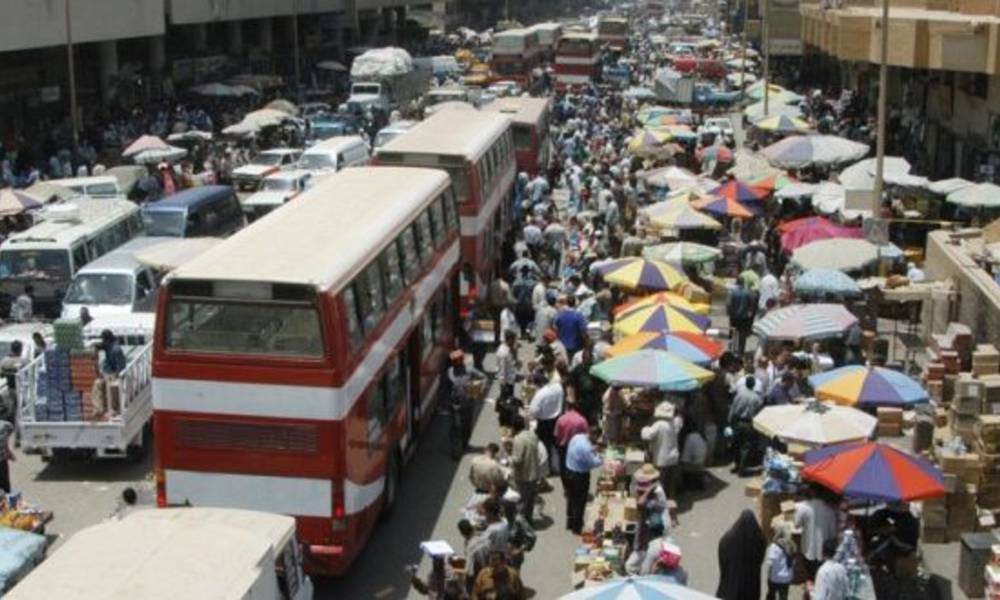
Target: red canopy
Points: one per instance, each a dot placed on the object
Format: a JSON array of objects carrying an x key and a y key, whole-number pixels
[{"x": 811, "y": 229}]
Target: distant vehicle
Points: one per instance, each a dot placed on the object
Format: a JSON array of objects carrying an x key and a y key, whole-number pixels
[
  {"x": 207, "y": 211},
  {"x": 548, "y": 37},
  {"x": 578, "y": 60},
  {"x": 613, "y": 31},
  {"x": 530, "y": 118},
  {"x": 703, "y": 67},
  {"x": 450, "y": 93},
  {"x": 505, "y": 88},
  {"x": 65, "y": 238},
  {"x": 720, "y": 127},
  {"x": 115, "y": 284},
  {"x": 440, "y": 67},
  {"x": 384, "y": 79},
  {"x": 391, "y": 132},
  {"x": 324, "y": 128},
  {"x": 516, "y": 54},
  {"x": 334, "y": 154},
  {"x": 184, "y": 552},
  {"x": 101, "y": 186},
  {"x": 275, "y": 191},
  {"x": 314, "y": 109},
  {"x": 268, "y": 162}
]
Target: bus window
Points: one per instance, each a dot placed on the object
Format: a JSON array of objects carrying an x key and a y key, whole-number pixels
[
  {"x": 408, "y": 250},
  {"x": 451, "y": 219},
  {"x": 437, "y": 222},
  {"x": 393, "y": 282},
  {"x": 425, "y": 243},
  {"x": 395, "y": 386},
  {"x": 522, "y": 137},
  {"x": 376, "y": 297},
  {"x": 354, "y": 332}
]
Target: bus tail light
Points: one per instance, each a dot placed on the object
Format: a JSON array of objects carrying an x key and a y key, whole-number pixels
[
  {"x": 161, "y": 488},
  {"x": 339, "y": 522}
]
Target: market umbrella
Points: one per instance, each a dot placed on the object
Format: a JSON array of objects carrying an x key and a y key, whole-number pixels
[
  {"x": 15, "y": 202},
  {"x": 633, "y": 272},
  {"x": 782, "y": 124},
  {"x": 694, "y": 347},
  {"x": 861, "y": 175},
  {"x": 800, "y": 151},
  {"x": 826, "y": 281},
  {"x": 772, "y": 183},
  {"x": 682, "y": 253},
  {"x": 660, "y": 121},
  {"x": 676, "y": 131},
  {"x": 725, "y": 207},
  {"x": 739, "y": 191},
  {"x": 829, "y": 198},
  {"x": 796, "y": 190},
  {"x": 651, "y": 143},
  {"x": 50, "y": 192},
  {"x": 671, "y": 177},
  {"x": 715, "y": 153},
  {"x": 156, "y": 155},
  {"x": 739, "y": 63},
  {"x": 873, "y": 471},
  {"x": 947, "y": 186},
  {"x": 265, "y": 117},
  {"x": 814, "y": 231},
  {"x": 868, "y": 386},
  {"x": 652, "y": 369},
  {"x": 815, "y": 423},
  {"x": 755, "y": 112},
  {"x": 979, "y": 195},
  {"x": 838, "y": 254},
  {"x": 669, "y": 298},
  {"x": 683, "y": 217},
  {"x": 143, "y": 144},
  {"x": 646, "y": 587},
  {"x": 805, "y": 322},
  {"x": 284, "y": 106},
  {"x": 190, "y": 136},
  {"x": 661, "y": 317},
  {"x": 756, "y": 91}
]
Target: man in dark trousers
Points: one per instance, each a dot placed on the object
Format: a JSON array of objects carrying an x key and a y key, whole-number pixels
[{"x": 740, "y": 307}]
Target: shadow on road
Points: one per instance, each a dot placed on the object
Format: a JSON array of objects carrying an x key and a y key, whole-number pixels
[{"x": 109, "y": 470}]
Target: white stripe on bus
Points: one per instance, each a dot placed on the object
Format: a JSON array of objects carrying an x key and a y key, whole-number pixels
[
  {"x": 285, "y": 495},
  {"x": 567, "y": 78},
  {"x": 578, "y": 60},
  {"x": 300, "y": 402}
]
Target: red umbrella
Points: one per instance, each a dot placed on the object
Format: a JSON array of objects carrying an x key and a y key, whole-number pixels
[
  {"x": 802, "y": 231},
  {"x": 719, "y": 154},
  {"x": 873, "y": 471},
  {"x": 738, "y": 191},
  {"x": 723, "y": 206}
]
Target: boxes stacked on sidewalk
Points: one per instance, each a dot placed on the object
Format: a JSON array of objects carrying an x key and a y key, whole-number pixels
[{"x": 890, "y": 422}]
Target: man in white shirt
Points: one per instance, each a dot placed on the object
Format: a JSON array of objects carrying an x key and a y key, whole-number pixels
[
  {"x": 662, "y": 439},
  {"x": 23, "y": 309},
  {"x": 818, "y": 522},
  {"x": 831, "y": 581},
  {"x": 693, "y": 457},
  {"x": 545, "y": 407},
  {"x": 507, "y": 404}
]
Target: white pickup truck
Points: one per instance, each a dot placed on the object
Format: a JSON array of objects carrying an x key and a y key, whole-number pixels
[{"x": 120, "y": 432}]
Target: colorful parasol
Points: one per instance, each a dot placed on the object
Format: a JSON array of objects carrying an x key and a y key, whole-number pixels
[
  {"x": 674, "y": 178},
  {"x": 684, "y": 216},
  {"x": 868, "y": 386},
  {"x": 635, "y": 272},
  {"x": 715, "y": 153},
  {"x": 652, "y": 143},
  {"x": 817, "y": 282},
  {"x": 812, "y": 229},
  {"x": 772, "y": 183},
  {"x": 738, "y": 191},
  {"x": 694, "y": 347},
  {"x": 805, "y": 322},
  {"x": 647, "y": 587},
  {"x": 682, "y": 253},
  {"x": 723, "y": 207},
  {"x": 661, "y": 318},
  {"x": 873, "y": 471},
  {"x": 782, "y": 124},
  {"x": 652, "y": 369},
  {"x": 815, "y": 423},
  {"x": 669, "y": 298}
]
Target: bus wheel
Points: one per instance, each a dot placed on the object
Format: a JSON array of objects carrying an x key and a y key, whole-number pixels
[{"x": 391, "y": 484}]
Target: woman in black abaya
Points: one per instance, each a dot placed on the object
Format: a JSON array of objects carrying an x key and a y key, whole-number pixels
[{"x": 741, "y": 555}]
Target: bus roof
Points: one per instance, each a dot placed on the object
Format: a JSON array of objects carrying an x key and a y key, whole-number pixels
[
  {"x": 590, "y": 36},
  {"x": 163, "y": 554},
  {"x": 618, "y": 20},
  {"x": 451, "y": 133},
  {"x": 63, "y": 224},
  {"x": 522, "y": 110},
  {"x": 325, "y": 236},
  {"x": 181, "y": 201}
]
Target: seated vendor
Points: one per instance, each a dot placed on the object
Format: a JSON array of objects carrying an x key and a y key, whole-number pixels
[{"x": 893, "y": 532}]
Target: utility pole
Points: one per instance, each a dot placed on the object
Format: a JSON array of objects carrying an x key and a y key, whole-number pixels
[
  {"x": 743, "y": 71},
  {"x": 766, "y": 36},
  {"x": 883, "y": 93},
  {"x": 295, "y": 52},
  {"x": 72, "y": 77}
]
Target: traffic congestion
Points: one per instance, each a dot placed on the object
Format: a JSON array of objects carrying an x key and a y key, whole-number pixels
[{"x": 598, "y": 305}]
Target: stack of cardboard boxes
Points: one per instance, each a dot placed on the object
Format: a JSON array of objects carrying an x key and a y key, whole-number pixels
[{"x": 890, "y": 422}]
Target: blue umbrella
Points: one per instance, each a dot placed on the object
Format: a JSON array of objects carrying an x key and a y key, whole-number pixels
[
  {"x": 648, "y": 587},
  {"x": 826, "y": 281}
]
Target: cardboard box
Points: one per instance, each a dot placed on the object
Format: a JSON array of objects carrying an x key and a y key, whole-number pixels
[
  {"x": 890, "y": 430},
  {"x": 889, "y": 415}
]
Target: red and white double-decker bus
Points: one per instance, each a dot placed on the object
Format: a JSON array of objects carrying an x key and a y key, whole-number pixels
[
  {"x": 295, "y": 362},
  {"x": 531, "y": 118},
  {"x": 477, "y": 150},
  {"x": 613, "y": 31},
  {"x": 548, "y": 36},
  {"x": 578, "y": 60},
  {"x": 515, "y": 56}
]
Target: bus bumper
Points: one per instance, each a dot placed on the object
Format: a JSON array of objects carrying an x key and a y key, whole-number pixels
[{"x": 328, "y": 561}]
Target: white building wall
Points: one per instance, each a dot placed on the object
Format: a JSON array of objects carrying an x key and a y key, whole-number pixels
[
  {"x": 26, "y": 24},
  {"x": 184, "y": 12}
]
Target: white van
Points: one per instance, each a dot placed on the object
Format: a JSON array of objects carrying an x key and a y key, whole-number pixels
[
  {"x": 64, "y": 239},
  {"x": 115, "y": 284},
  {"x": 174, "y": 553},
  {"x": 334, "y": 154},
  {"x": 99, "y": 186}
]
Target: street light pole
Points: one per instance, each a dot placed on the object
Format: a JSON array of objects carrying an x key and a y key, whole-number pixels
[
  {"x": 883, "y": 93},
  {"x": 295, "y": 44},
  {"x": 743, "y": 71},
  {"x": 766, "y": 36},
  {"x": 72, "y": 77}
]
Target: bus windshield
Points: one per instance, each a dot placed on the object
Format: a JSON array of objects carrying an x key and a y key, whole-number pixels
[
  {"x": 165, "y": 223},
  {"x": 317, "y": 161},
  {"x": 100, "y": 288},
  {"x": 35, "y": 264},
  {"x": 576, "y": 47},
  {"x": 281, "y": 329}
]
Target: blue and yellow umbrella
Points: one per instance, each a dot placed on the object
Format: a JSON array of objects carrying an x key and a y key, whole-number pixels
[
  {"x": 652, "y": 369},
  {"x": 640, "y": 273}
]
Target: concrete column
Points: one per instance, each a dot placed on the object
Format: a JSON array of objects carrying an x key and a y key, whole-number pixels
[
  {"x": 265, "y": 37},
  {"x": 199, "y": 37},
  {"x": 157, "y": 56},
  {"x": 234, "y": 35},
  {"x": 108, "y": 67},
  {"x": 340, "y": 40}
]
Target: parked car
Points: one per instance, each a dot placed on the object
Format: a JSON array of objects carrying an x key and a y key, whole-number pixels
[
  {"x": 275, "y": 191},
  {"x": 268, "y": 162}
]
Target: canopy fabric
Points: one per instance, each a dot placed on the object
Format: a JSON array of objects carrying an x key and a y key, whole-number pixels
[
  {"x": 756, "y": 91},
  {"x": 155, "y": 155},
  {"x": 782, "y": 124},
  {"x": 817, "y": 282},
  {"x": 683, "y": 217},
  {"x": 652, "y": 369},
  {"x": 815, "y": 423},
  {"x": 755, "y": 112},
  {"x": 814, "y": 231},
  {"x": 745, "y": 77},
  {"x": 739, "y": 191},
  {"x": 800, "y": 151},
  {"x": 873, "y": 471},
  {"x": 682, "y": 253},
  {"x": 805, "y": 322},
  {"x": 634, "y": 272},
  {"x": 647, "y": 587},
  {"x": 715, "y": 153},
  {"x": 190, "y": 136},
  {"x": 796, "y": 190},
  {"x": 838, "y": 254},
  {"x": 15, "y": 202},
  {"x": 671, "y": 177},
  {"x": 829, "y": 198},
  {"x": 751, "y": 166},
  {"x": 693, "y": 347},
  {"x": 144, "y": 143},
  {"x": 868, "y": 386},
  {"x": 661, "y": 318},
  {"x": 722, "y": 206},
  {"x": 947, "y": 186},
  {"x": 669, "y": 298},
  {"x": 861, "y": 175},
  {"x": 652, "y": 143},
  {"x": 980, "y": 195}
]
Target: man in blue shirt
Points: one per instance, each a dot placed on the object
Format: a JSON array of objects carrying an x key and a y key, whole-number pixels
[
  {"x": 114, "y": 357},
  {"x": 582, "y": 456},
  {"x": 570, "y": 325}
]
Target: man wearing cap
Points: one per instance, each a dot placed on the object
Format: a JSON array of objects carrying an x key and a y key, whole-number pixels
[
  {"x": 582, "y": 456},
  {"x": 661, "y": 436}
]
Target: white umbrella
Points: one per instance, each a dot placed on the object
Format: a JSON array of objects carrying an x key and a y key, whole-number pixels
[
  {"x": 800, "y": 151},
  {"x": 190, "y": 136},
  {"x": 736, "y": 78},
  {"x": 284, "y": 106},
  {"x": 755, "y": 112},
  {"x": 980, "y": 195},
  {"x": 331, "y": 65},
  {"x": 144, "y": 143},
  {"x": 815, "y": 423},
  {"x": 240, "y": 129},
  {"x": 646, "y": 587},
  {"x": 829, "y": 197},
  {"x": 947, "y": 186},
  {"x": 842, "y": 254},
  {"x": 155, "y": 155},
  {"x": 861, "y": 175},
  {"x": 266, "y": 117},
  {"x": 672, "y": 177},
  {"x": 796, "y": 190},
  {"x": 738, "y": 63}
]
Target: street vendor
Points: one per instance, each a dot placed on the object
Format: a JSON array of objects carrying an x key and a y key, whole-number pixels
[{"x": 662, "y": 437}]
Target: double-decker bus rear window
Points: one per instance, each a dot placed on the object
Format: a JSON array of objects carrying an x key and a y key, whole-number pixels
[{"x": 278, "y": 329}]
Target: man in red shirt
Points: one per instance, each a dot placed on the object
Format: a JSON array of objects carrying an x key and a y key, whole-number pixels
[{"x": 569, "y": 424}]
